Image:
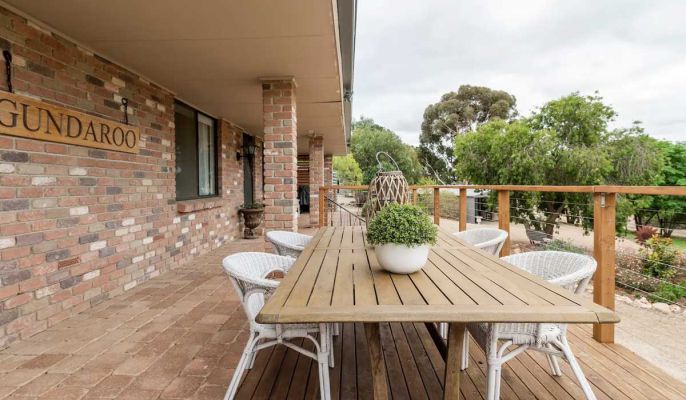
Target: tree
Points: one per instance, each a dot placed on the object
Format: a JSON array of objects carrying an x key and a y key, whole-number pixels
[
  {"x": 566, "y": 142},
  {"x": 637, "y": 160},
  {"x": 347, "y": 170},
  {"x": 456, "y": 113},
  {"x": 369, "y": 138},
  {"x": 668, "y": 211}
]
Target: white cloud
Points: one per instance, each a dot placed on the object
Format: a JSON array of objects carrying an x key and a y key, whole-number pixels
[{"x": 632, "y": 51}]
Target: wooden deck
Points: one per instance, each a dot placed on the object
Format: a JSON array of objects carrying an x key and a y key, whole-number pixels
[{"x": 415, "y": 369}]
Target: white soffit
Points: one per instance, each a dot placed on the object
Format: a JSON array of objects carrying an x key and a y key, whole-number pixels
[{"x": 211, "y": 53}]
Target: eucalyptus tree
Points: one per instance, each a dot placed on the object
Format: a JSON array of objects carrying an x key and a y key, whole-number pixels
[
  {"x": 368, "y": 138},
  {"x": 456, "y": 113}
]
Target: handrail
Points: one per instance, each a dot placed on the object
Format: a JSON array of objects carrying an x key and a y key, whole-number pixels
[
  {"x": 646, "y": 190},
  {"x": 351, "y": 214}
]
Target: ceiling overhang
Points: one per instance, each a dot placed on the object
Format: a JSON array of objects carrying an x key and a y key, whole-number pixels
[{"x": 211, "y": 53}]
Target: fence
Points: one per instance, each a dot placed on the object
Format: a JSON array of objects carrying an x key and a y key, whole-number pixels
[{"x": 602, "y": 200}]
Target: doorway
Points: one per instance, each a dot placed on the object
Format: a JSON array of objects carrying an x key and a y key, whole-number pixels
[{"x": 248, "y": 171}]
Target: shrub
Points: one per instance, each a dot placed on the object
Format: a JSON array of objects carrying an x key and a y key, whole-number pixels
[
  {"x": 401, "y": 224},
  {"x": 644, "y": 233},
  {"x": 630, "y": 274},
  {"x": 670, "y": 292},
  {"x": 563, "y": 245},
  {"x": 659, "y": 257}
]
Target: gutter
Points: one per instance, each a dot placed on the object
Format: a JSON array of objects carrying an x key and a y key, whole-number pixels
[{"x": 347, "y": 21}]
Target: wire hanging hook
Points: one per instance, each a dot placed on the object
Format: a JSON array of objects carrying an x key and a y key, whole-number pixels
[
  {"x": 125, "y": 103},
  {"x": 8, "y": 69}
]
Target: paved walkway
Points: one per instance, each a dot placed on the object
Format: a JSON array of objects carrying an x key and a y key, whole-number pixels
[{"x": 170, "y": 338}]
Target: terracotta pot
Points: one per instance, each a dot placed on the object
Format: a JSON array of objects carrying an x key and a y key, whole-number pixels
[{"x": 252, "y": 217}]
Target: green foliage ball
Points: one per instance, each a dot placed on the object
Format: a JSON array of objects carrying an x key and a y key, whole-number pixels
[{"x": 401, "y": 224}]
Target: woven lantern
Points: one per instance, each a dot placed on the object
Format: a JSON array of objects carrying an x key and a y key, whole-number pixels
[{"x": 385, "y": 188}]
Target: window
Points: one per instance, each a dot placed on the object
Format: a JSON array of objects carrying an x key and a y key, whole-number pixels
[{"x": 196, "y": 153}]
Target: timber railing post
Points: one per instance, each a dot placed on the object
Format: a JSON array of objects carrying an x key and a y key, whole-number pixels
[
  {"x": 463, "y": 210},
  {"x": 322, "y": 206},
  {"x": 504, "y": 219},
  {"x": 414, "y": 196},
  {"x": 604, "y": 252},
  {"x": 437, "y": 206}
]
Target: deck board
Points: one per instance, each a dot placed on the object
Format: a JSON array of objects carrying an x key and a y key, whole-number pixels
[{"x": 615, "y": 373}]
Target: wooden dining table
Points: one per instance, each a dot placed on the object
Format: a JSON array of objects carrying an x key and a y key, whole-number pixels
[{"x": 337, "y": 278}]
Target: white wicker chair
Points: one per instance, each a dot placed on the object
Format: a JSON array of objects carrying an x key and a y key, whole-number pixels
[
  {"x": 288, "y": 243},
  {"x": 490, "y": 240},
  {"x": 569, "y": 270},
  {"x": 291, "y": 244},
  {"x": 248, "y": 273}
]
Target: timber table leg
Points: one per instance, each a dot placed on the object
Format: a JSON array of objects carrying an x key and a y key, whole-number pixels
[
  {"x": 373, "y": 334},
  {"x": 453, "y": 360}
]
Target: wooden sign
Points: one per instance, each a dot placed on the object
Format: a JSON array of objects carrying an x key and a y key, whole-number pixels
[{"x": 30, "y": 118}]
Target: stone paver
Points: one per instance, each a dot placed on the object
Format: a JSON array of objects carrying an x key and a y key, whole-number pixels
[{"x": 173, "y": 337}]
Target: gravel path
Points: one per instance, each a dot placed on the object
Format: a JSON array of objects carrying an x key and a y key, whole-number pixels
[{"x": 657, "y": 337}]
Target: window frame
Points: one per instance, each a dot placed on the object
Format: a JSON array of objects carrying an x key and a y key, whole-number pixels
[{"x": 215, "y": 142}]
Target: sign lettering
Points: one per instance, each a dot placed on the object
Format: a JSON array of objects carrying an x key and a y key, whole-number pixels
[{"x": 26, "y": 117}]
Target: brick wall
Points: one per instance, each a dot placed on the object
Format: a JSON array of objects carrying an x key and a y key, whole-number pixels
[{"x": 80, "y": 225}]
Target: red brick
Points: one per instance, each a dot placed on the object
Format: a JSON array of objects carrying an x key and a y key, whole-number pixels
[
  {"x": 29, "y": 145},
  {"x": 13, "y": 253},
  {"x": 17, "y": 301},
  {"x": 8, "y": 193},
  {"x": 7, "y": 291},
  {"x": 21, "y": 323},
  {"x": 32, "y": 284},
  {"x": 14, "y": 229}
]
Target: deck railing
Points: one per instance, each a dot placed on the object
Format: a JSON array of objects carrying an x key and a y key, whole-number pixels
[
  {"x": 601, "y": 199},
  {"x": 338, "y": 214}
]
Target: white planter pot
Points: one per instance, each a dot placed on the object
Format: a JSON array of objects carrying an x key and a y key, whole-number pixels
[{"x": 401, "y": 259}]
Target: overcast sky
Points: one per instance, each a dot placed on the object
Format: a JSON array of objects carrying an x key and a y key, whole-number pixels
[{"x": 633, "y": 52}]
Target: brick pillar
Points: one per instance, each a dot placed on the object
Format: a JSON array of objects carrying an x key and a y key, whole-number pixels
[
  {"x": 328, "y": 174},
  {"x": 257, "y": 172},
  {"x": 316, "y": 176},
  {"x": 280, "y": 155},
  {"x": 328, "y": 170}
]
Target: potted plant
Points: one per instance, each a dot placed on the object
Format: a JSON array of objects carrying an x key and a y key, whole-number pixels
[
  {"x": 401, "y": 236},
  {"x": 252, "y": 217}
]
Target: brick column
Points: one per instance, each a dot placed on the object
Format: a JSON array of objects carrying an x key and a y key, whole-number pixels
[
  {"x": 280, "y": 154},
  {"x": 316, "y": 176},
  {"x": 328, "y": 173},
  {"x": 257, "y": 172},
  {"x": 328, "y": 170}
]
